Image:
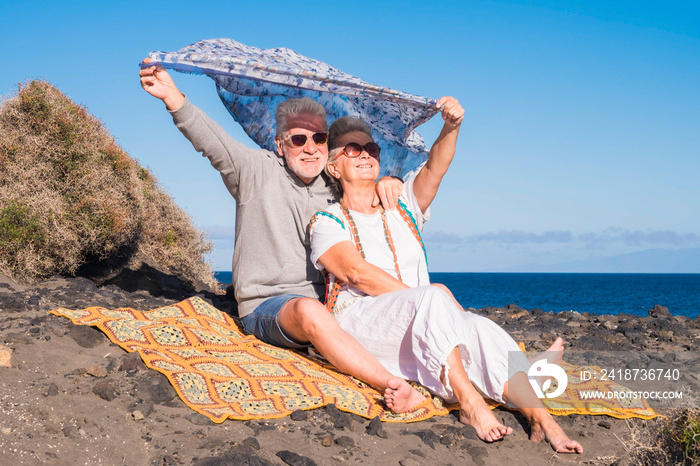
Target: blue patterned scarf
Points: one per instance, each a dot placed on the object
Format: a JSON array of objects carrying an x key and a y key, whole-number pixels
[{"x": 252, "y": 82}]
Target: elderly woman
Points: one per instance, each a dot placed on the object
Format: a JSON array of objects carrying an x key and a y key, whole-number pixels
[{"x": 379, "y": 291}]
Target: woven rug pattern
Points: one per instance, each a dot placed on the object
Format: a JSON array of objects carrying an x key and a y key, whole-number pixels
[{"x": 222, "y": 373}]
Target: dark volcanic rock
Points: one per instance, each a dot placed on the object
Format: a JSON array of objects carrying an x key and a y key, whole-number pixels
[
  {"x": 11, "y": 302},
  {"x": 199, "y": 419},
  {"x": 341, "y": 420},
  {"x": 105, "y": 390},
  {"x": 375, "y": 428},
  {"x": 251, "y": 443},
  {"x": 479, "y": 454},
  {"x": 156, "y": 388},
  {"x": 659, "y": 311},
  {"x": 345, "y": 442},
  {"x": 232, "y": 458},
  {"x": 299, "y": 415},
  {"x": 588, "y": 342},
  {"x": 293, "y": 459},
  {"x": 259, "y": 426},
  {"x": 131, "y": 362},
  {"x": 86, "y": 336},
  {"x": 52, "y": 390},
  {"x": 427, "y": 436}
]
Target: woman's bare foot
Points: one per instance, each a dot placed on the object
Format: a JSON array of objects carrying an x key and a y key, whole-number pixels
[
  {"x": 554, "y": 355},
  {"x": 400, "y": 396},
  {"x": 550, "y": 431},
  {"x": 478, "y": 415}
]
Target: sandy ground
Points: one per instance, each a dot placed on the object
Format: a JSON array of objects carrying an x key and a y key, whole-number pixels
[{"x": 71, "y": 397}]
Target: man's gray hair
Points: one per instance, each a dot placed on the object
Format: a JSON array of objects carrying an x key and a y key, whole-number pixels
[{"x": 291, "y": 108}]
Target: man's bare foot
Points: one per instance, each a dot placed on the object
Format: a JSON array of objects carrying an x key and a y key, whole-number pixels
[
  {"x": 550, "y": 431},
  {"x": 400, "y": 396},
  {"x": 480, "y": 417}
]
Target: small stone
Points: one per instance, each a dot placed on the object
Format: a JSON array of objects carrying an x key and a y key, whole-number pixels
[
  {"x": 81, "y": 432},
  {"x": 86, "y": 336},
  {"x": 97, "y": 371},
  {"x": 427, "y": 436},
  {"x": 132, "y": 363},
  {"x": 409, "y": 462},
  {"x": 138, "y": 415},
  {"x": 343, "y": 422},
  {"x": 609, "y": 325},
  {"x": 70, "y": 431},
  {"x": 252, "y": 443},
  {"x": 338, "y": 458},
  {"x": 145, "y": 408},
  {"x": 105, "y": 390},
  {"x": 18, "y": 338},
  {"x": 327, "y": 441},
  {"x": 345, "y": 442},
  {"x": 156, "y": 388},
  {"x": 478, "y": 454},
  {"x": 50, "y": 429},
  {"x": 299, "y": 415},
  {"x": 6, "y": 430},
  {"x": 605, "y": 424},
  {"x": 374, "y": 427},
  {"x": 198, "y": 419},
  {"x": 5, "y": 356},
  {"x": 167, "y": 460},
  {"x": 52, "y": 390},
  {"x": 293, "y": 459},
  {"x": 659, "y": 312}
]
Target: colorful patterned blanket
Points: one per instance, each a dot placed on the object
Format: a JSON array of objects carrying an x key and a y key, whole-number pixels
[{"x": 222, "y": 373}]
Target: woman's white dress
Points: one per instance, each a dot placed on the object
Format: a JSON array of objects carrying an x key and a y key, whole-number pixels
[{"x": 412, "y": 332}]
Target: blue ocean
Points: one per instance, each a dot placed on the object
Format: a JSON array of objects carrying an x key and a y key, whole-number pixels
[{"x": 598, "y": 293}]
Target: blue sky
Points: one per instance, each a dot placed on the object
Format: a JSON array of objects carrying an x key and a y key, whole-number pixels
[{"x": 581, "y": 141}]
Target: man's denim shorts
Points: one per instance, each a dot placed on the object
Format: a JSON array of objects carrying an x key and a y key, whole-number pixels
[{"x": 262, "y": 322}]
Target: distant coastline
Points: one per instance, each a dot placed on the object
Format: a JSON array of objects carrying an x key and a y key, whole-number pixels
[{"x": 597, "y": 293}]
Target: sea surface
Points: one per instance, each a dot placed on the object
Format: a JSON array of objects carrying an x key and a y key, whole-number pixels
[{"x": 599, "y": 293}]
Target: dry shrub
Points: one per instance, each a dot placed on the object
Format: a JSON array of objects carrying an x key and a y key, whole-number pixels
[
  {"x": 674, "y": 440},
  {"x": 69, "y": 195}
]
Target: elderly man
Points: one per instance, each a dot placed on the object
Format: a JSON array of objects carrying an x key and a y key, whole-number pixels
[{"x": 276, "y": 195}]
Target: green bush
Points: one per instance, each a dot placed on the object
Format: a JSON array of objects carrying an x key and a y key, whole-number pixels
[
  {"x": 19, "y": 228},
  {"x": 70, "y": 195}
]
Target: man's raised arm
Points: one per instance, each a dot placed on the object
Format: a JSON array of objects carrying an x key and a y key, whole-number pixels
[{"x": 157, "y": 82}]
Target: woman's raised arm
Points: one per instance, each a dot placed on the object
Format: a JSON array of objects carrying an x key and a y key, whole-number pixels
[{"x": 442, "y": 152}]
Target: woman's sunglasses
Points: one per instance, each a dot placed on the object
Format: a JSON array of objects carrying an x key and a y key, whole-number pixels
[
  {"x": 299, "y": 140},
  {"x": 353, "y": 149}
]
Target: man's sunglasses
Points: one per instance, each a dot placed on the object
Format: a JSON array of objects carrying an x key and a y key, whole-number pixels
[
  {"x": 299, "y": 140},
  {"x": 353, "y": 149}
]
